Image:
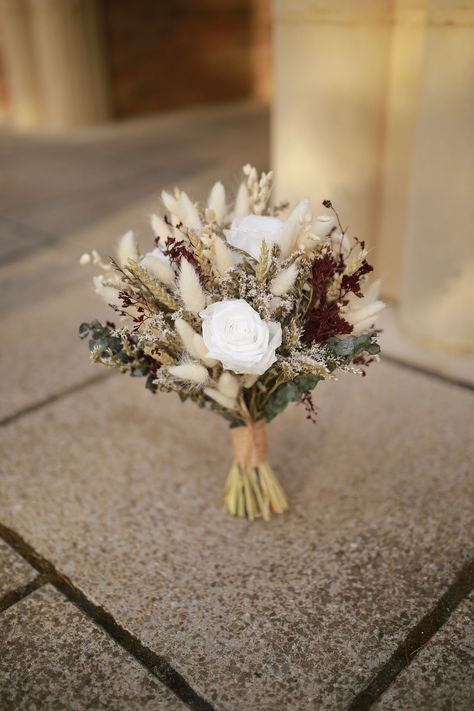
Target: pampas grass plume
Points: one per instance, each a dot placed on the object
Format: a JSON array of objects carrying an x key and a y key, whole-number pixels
[
  {"x": 127, "y": 248},
  {"x": 292, "y": 226},
  {"x": 107, "y": 293},
  {"x": 216, "y": 201},
  {"x": 170, "y": 202},
  {"x": 190, "y": 288},
  {"x": 160, "y": 228},
  {"x": 242, "y": 203},
  {"x": 190, "y": 371},
  {"x": 186, "y": 333},
  {"x": 223, "y": 400},
  {"x": 188, "y": 212},
  {"x": 224, "y": 259},
  {"x": 283, "y": 282},
  {"x": 228, "y": 385},
  {"x": 159, "y": 268},
  {"x": 202, "y": 350}
]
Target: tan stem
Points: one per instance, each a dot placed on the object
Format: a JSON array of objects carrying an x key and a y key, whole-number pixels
[
  {"x": 250, "y": 444},
  {"x": 252, "y": 490}
]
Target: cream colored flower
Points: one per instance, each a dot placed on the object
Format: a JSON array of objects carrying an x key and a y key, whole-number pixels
[
  {"x": 363, "y": 313},
  {"x": 235, "y": 335},
  {"x": 247, "y": 233}
]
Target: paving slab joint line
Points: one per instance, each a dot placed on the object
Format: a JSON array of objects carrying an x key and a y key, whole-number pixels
[
  {"x": 417, "y": 638},
  {"x": 154, "y": 663},
  {"x": 429, "y": 372},
  {"x": 72, "y": 390},
  {"x": 18, "y": 594}
]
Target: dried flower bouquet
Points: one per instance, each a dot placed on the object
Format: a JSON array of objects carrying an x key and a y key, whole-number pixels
[{"x": 242, "y": 308}]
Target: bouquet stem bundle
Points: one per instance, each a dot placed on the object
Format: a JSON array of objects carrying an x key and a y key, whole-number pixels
[{"x": 252, "y": 489}]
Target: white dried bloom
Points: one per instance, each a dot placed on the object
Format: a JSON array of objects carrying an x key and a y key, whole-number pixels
[
  {"x": 159, "y": 265},
  {"x": 160, "y": 229},
  {"x": 99, "y": 262},
  {"x": 235, "y": 334},
  {"x": 188, "y": 212},
  {"x": 127, "y": 248},
  {"x": 171, "y": 203},
  {"x": 224, "y": 400},
  {"x": 186, "y": 333},
  {"x": 201, "y": 350},
  {"x": 283, "y": 282},
  {"x": 223, "y": 256},
  {"x": 323, "y": 224},
  {"x": 356, "y": 262},
  {"x": 247, "y": 233},
  {"x": 292, "y": 227},
  {"x": 363, "y": 313},
  {"x": 216, "y": 202},
  {"x": 242, "y": 204},
  {"x": 190, "y": 288},
  {"x": 228, "y": 385},
  {"x": 85, "y": 259},
  {"x": 190, "y": 371},
  {"x": 340, "y": 243},
  {"x": 105, "y": 291}
]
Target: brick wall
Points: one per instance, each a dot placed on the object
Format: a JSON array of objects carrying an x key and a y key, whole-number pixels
[{"x": 165, "y": 54}]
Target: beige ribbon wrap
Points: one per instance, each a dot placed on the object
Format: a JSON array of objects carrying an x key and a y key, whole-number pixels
[{"x": 250, "y": 444}]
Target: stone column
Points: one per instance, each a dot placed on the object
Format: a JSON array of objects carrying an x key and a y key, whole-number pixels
[
  {"x": 70, "y": 63},
  {"x": 55, "y": 68},
  {"x": 438, "y": 268},
  {"x": 330, "y": 85},
  {"x": 24, "y": 109},
  {"x": 403, "y": 86}
]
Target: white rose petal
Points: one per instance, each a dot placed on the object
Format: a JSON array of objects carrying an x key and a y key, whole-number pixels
[
  {"x": 235, "y": 335},
  {"x": 247, "y": 233}
]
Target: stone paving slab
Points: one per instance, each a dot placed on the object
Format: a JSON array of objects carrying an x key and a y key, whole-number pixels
[
  {"x": 14, "y": 572},
  {"x": 46, "y": 295},
  {"x": 120, "y": 491},
  {"x": 61, "y": 184},
  {"x": 53, "y": 657},
  {"x": 395, "y": 342},
  {"x": 441, "y": 677},
  {"x": 42, "y": 357}
]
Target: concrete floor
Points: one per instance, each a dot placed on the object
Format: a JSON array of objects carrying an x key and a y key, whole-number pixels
[{"x": 122, "y": 583}]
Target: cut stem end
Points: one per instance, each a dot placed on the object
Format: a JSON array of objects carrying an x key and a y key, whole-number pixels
[{"x": 253, "y": 492}]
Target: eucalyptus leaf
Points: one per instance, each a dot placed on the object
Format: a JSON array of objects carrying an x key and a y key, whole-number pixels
[
  {"x": 84, "y": 330},
  {"x": 351, "y": 346},
  {"x": 150, "y": 383},
  {"x": 288, "y": 392},
  {"x": 139, "y": 372}
]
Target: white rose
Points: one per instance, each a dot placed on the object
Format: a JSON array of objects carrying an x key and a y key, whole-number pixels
[
  {"x": 248, "y": 233},
  {"x": 235, "y": 334}
]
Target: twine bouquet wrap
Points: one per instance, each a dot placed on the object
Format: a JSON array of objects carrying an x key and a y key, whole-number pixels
[
  {"x": 252, "y": 488},
  {"x": 241, "y": 306}
]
